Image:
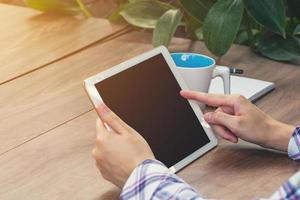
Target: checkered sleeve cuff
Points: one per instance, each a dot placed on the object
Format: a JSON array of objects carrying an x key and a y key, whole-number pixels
[{"x": 294, "y": 145}]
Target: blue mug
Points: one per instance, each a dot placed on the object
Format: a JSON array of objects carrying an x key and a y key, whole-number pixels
[{"x": 198, "y": 70}]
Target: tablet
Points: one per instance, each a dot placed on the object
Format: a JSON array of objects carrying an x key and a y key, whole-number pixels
[{"x": 145, "y": 93}]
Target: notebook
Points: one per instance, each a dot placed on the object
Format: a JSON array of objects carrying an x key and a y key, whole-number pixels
[{"x": 252, "y": 89}]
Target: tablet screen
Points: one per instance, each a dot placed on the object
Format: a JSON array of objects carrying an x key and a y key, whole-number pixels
[{"x": 146, "y": 97}]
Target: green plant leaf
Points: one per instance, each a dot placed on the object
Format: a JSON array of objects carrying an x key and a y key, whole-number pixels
[
  {"x": 144, "y": 14},
  {"x": 222, "y": 24},
  {"x": 241, "y": 38},
  {"x": 54, "y": 5},
  {"x": 166, "y": 27},
  {"x": 269, "y": 13},
  {"x": 83, "y": 8},
  {"x": 199, "y": 33},
  {"x": 280, "y": 49},
  {"x": 197, "y": 8},
  {"x": 297, "y": 30},
  {"x": 115, "y": 14}
]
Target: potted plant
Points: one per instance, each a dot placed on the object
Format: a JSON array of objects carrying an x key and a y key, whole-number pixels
[{"x": 270, "y": 27}]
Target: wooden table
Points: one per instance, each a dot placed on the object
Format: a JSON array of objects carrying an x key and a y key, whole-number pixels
[{"x": 47, "y": 122}]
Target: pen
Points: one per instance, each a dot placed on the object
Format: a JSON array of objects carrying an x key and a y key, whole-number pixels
[{"x": 234, "y": 70}]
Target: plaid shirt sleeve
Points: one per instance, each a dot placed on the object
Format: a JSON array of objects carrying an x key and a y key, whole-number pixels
[
  {"x": 291, "y": 188},
  {"x": 153, "y": 180}
]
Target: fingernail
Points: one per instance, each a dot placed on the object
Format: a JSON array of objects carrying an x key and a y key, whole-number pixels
[
  {"x": 235, "y": 140},
  {"x": 207, "y": 117},
  {"x": 232, "y": 139},
  {"x": 102, "y": 108}
]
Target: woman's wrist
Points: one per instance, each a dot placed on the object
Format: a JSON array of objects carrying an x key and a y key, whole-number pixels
[{"x": 279, "y": 135}]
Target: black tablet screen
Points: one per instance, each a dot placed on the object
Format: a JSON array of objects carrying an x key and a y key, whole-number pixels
[{"x": 147, "y": 98}]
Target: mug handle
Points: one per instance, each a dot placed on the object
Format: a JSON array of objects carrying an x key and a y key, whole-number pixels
[{"x": 224, "y": 73}]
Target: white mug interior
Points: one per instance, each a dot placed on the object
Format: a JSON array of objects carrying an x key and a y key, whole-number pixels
[{"x": 196, "y": 75}]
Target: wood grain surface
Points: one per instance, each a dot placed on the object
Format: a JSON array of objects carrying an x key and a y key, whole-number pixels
[
  {"x": 57, "y": 165},
  {"x": 48, "y": 114},
  {"x": 42, "y": 100},
  {"x": 31, "y": 39}
]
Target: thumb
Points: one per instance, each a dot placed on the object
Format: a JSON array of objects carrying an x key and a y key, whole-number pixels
[{"x": 221, "y": 118}]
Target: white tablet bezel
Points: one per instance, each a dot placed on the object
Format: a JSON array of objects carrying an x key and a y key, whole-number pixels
[{"x": 96, "y": 99}]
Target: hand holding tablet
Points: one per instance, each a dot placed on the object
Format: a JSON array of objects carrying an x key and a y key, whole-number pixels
[
  {"x": 145, "y": 93},
  {"x": 118, "y": 150}
]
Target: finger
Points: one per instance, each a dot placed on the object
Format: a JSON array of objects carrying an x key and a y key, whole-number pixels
[
  {"x": 226, "y": 109},
  {"x": 221, "y": 118},
  {"x": 96, "y": 153},
  {"x": 225, "y": 133},
  {"x": 104, "y": 172},
  {"x": 111, "y": 119},
  {"x": 209, "y": 99}
]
